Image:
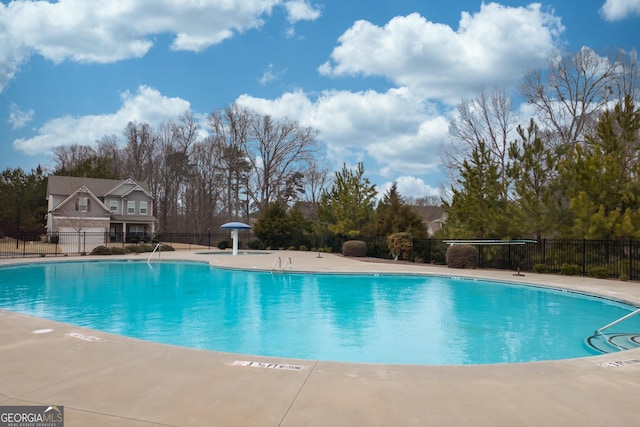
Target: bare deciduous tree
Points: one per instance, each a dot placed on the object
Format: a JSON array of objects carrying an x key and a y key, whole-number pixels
[
  {"x": 280, "y": 152},
  {"x": 230, "y": 130},
  {"x": 69, "y": 157},
  {"x": 488, "y": 118},
  {"x": 570, "y": 94}
]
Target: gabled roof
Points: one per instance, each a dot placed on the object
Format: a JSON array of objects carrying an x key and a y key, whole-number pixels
[
  {"x": 66, "y": 185},
  {"x": 126, "y": 187},
  {"x": 82, "y": 189}
]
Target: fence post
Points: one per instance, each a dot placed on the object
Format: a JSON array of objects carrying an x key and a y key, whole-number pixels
[
  {"x": 630, "y": 259},
  {"x": 584, "y": 256}
]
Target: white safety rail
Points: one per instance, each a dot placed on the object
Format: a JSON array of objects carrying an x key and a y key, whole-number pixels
[
  {"x": 157, "y": 248},
  {"x": 278, "y": 263},
  {"x": 615, "y": 322}
]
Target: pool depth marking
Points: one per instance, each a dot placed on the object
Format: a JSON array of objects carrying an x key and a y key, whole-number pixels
[
  {"x": 282, "y": 366},
  {"x": 619, "y": 363},
  {"x": 83, "y": 337}
]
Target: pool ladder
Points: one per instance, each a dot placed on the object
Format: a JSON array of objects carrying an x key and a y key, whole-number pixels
[{"x": 278, "y": 263}]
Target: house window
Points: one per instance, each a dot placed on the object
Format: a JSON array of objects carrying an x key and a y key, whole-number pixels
[
  {"x": 113, "y": 206},
  {"x": 143, "y": 208},
  {"x": 83, "y": 204},
  {"x": 131, "y": 208}
]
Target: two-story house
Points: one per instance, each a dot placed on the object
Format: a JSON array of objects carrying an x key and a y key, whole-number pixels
[{"x": 107, "y": 210}]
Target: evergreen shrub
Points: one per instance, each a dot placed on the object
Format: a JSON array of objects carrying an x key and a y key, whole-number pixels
[
  {"x": 256, "y": 244},
  {"x": 569, "y": 269},
  {"x": 599, "y": 272},
  {"x": 133, "y": 249},
  {"x": 101, "y": 250},
  {"x": 541, "y": 268}
]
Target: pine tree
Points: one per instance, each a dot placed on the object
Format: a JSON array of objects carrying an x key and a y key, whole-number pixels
[
  {"x": 394, "y": 215},
  {"x": 603, "y": 177},
  {"x": 532, "y": 170},
  {"x": 348, "y": 206},
  {"x": 477, "y": 208}
]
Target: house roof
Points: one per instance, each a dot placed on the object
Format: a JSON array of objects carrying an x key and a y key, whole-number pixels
[
  {"x": 66, "y": 185},
  {"x": 83, "y": 189}
]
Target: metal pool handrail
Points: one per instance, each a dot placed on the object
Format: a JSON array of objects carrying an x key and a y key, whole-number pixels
[
  {"x": 153, "y": 252},
  {"x": 615, "y": 322},
  {"x": 278, "y": 262}
]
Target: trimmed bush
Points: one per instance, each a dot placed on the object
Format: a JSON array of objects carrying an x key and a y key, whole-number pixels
[
  {"x": 101, "y": 250},
  {"x": 167, "y": 248},
  {"x": 599, "y": 272},
  {"x": 541, "y": 268},
  {"x": 462, "y": 256},
  {"x": 354, "y": 248},
  {"x": 303, "y": 248},
  {"x": 116, "y": 250},
  {"x": 133, "y": 249},
  {"x": 224, "y": 244},
  {"x": 569, "y": 269},
  {"x": 624, "y": 277}
]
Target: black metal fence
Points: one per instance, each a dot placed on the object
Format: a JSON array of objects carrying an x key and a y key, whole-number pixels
[{"x": 611, "y": 258}]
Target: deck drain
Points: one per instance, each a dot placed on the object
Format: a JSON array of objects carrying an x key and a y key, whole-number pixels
[
  {"x": 82, "y": 336},
  {"x": 283, "y": 366},
  {"x": 620, "y": 363}
]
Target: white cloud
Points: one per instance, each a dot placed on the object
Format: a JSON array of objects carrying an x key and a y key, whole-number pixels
[
  {"x": 301, "y": 10},
  {"x": 270, "y": 74},
  {"x": 400, "y": 132},
  {"x": 491, "y": 47},
  {"x": 147, "y": 105},
  {"x": 19, "y": 118},
  {"x": 615, "y": 10},
  {"x": 96, "y": 31},
  {"x": 410, "y": 186}
]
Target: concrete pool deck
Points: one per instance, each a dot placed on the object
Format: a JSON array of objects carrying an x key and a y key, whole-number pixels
[{"x": 107, "y": 380}]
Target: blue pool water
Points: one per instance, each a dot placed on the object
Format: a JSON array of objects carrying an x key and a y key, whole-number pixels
[{"x": 356, "y": 318}]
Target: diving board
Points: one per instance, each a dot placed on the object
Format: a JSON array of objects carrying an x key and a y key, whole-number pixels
[{"x": 489, "y": 242}]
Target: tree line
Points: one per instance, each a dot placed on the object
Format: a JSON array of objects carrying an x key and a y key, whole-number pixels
[
  {"x": 565, "y": 166},
  {"x": 573, "y": 171},
  {"x": 201, "y": 178}
]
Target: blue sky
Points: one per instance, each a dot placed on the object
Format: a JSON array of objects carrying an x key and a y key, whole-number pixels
[{"x": 379, "y": 80}]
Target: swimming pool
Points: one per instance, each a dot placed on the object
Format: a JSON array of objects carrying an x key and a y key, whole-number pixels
[{"x": 401, "y": 319}]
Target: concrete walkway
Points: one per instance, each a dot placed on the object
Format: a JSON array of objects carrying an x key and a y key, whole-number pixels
[{"x": 108, "y": 380}]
